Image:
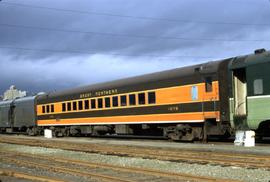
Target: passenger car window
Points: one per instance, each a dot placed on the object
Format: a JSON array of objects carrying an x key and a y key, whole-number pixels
[
  {"x": 47, "y": 109},
  {"x": 107, "y": 102},
  {"x": 74, "y": 106},
  {"x": 64, "y": 107},
  {"x": 43, "y": 109},
  {"x": 52, "y": 108},
  {"x": 123, "y": 99},
  {"x": 141, "y": 98},
  {"x": 208, "y": 84},
  {"x": 258, "y": 86},
  {"x": 151, "y": 97},
  {"x": 194, "y": 92},
  {"x": 100, "y": 103},
  {"x": 115, "y": 101},
  {"x": 69, "y": 106},
  {"x": 93, "y": 103},
  {"x": 80, "y": 105},
  {"x": 86, "y": 104},
  {"x": 132, "y": 99}
]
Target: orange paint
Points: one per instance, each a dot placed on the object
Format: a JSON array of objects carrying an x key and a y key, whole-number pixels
[
  {"x": 164, "y": 96},
  {"x": 182, "y": 94},
  {"x": 153, "y": 118}
]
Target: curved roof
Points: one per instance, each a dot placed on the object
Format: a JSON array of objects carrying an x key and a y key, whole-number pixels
[
  {"x": 5, "y": 102},
  {"x": 244, "y": 61},
  {"x": 209, "y": 67},
  {"x": 25, "y": 99}
]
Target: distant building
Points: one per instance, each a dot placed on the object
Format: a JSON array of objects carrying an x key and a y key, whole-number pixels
[{"x": 13, "y": 93}]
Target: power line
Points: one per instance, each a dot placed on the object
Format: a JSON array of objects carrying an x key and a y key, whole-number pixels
[
  {"x": 131, "y": 36},
  {"x": 93, "y": 53},
  {"x": 134, "y": 17}
]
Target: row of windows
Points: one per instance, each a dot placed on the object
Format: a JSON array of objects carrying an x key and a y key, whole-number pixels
[
  {"x": 48, "y": 108},
  {"x": 106, "y": 102},
  {"x": 93, "y": 104},
  {"x": 110, "y": 102}
]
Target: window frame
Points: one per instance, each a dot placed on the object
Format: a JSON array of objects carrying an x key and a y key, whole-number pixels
[
  {"x": 47, "y": 108},
  {"x": 258, "y": 89},
  {"x": 80, "y": 105},
  {"x": 107, "y": 104},
  {"x": 86, "y": 104},
  {"x": 132, "y": 97},
  {"x": 154, "y": 97},
  {"x": 52, "y": 108},
  {"x": 100, "y": 103},
  {"x": 43, "y": 109},
  {"x": 69, "y": 106},
  {"x": 93, "y": 104},
  {"x": 115, "y": 101},
  {"x": 208, "y": 84},
  {"x": 141, "y": 102},
  {"x": 194, "y": 92},
  {"x": 64, "y": 107},
  {"x": 123, "y": 98},
  {"x": 74, "y": 106}
]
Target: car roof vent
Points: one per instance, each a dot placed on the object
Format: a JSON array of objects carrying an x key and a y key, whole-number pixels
[{"x": 259, "y": 51}]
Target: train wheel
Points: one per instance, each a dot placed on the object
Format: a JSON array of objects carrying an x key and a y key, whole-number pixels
[
  {"x": 184, "y": 132},
  {"x": 33, "y": 131}
]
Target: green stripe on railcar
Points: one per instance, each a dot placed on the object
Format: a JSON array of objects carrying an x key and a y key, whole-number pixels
[
  {"x": 258, "y": 110},
  {"x": 258, "y": 100}
]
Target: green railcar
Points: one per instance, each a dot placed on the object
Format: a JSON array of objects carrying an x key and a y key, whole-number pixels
[{"x": 250, "y": 92}]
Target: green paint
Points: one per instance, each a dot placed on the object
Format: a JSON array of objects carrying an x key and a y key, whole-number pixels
[
  {"x": 258, "y": 111},
  {"x": 258, "y": 71},
  {"x": 258, "y": 106}
]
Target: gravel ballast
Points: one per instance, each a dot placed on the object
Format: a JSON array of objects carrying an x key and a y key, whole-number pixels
[{"x": 194, "y": 169}]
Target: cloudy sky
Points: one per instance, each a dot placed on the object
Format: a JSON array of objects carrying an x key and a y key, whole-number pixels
[{"x": 54, "y": 45}]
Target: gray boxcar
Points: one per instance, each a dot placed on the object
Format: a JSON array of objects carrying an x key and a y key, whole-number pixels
[
  {"x": 18, "y": 115},
  {"x": 6, "y": 114},
  {"x": 24, "y": 112}
]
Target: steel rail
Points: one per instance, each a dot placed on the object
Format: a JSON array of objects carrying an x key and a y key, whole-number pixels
[
  {"x": 65, "y": 170},
  {"x": 224, "y": 159},
  {"x": 21, "y": 175},
  {"x": 179, "y": 176}
]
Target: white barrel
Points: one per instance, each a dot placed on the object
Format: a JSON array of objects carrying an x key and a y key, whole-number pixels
[
  {"x": 239, "y": 138},
  {"x": 249, "y": 139},
  {"x": 48, "y": 133}
]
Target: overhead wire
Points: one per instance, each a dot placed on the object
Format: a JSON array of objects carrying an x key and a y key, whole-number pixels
[
  {"x": 120, "y": 35},
  {"x": 92, "y": 52},
  {"x": 130, "y": 36},
  {"x": 133, "y": 17}
]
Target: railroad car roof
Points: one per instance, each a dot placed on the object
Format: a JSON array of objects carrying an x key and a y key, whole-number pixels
[
  {"x": 18, "y": 100},
  {"x": 25, "y": 99},
  {"x": 252, "y": 59},
  {"x": 205, "y": 68},
  {"x": 5, "y": 102}
]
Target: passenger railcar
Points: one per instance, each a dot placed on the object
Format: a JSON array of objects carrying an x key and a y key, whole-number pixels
[
  {"x": 18, "y": 115},
  {"x": 176, "y": 103},
  {"x": 5, "y": 115},
  {"x": 190, "y": 103},
  {"x": 250, "y": 95}
]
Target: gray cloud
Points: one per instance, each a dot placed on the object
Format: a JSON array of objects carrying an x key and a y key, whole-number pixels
[{"x": 112, "y": 57}]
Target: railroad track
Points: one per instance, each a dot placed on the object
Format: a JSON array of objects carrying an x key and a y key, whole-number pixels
[
  {"x": 21, "y": 175},
  {"x": 223, "y": 159},
  {"x": 83, "y": 168}
]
